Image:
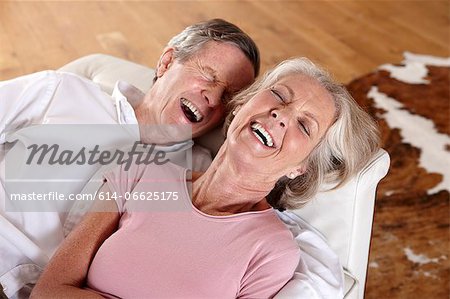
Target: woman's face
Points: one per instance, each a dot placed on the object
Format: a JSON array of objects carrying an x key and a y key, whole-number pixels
[{"x": 277, "y": 129}]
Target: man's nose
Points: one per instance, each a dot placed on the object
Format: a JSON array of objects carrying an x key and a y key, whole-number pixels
[{"x": 213, "y": 96}]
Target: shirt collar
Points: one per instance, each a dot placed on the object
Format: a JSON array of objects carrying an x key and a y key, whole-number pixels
[{"x": 123, "y": 94}]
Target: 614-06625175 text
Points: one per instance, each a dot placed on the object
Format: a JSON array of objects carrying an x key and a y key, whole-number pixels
[{"x": 140, "y": 195}]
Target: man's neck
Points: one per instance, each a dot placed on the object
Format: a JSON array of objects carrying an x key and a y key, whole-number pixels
[{"x": 133, "y": 94}]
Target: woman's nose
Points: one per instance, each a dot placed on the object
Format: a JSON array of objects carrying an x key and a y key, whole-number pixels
[{"x": 279, "y": 118}]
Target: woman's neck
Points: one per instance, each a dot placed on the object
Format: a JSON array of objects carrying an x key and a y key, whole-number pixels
[{"x": 225, "y": 190}]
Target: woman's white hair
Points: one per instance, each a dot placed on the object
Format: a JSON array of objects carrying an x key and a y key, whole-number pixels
[{"x": 343, "y": 151}]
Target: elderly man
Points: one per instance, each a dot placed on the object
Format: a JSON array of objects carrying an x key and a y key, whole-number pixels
[
  {"x": 197, "y": 72},
  {"x": 199, "y": 69}
]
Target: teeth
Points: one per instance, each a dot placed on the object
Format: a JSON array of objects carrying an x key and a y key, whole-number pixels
[
  {"x": 193, "y": 109},
  {"x": 262, "y": 134}
]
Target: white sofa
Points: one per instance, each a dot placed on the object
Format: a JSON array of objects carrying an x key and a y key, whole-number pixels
[{"x": 343, "y": 216}]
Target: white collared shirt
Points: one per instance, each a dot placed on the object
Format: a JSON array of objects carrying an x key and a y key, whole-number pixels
[
  {"x": 29, "y": 239},
  {"x": 51, "y": 97}
]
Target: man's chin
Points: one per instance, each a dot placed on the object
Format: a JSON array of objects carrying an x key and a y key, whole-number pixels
[{"x": 165, "y": 134}]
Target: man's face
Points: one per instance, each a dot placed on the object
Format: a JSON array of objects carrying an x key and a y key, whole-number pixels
[{"x": 193, "y": 92}]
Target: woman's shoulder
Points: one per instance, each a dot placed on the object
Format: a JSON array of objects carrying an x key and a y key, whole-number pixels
[{"x": 271, "y": 230}]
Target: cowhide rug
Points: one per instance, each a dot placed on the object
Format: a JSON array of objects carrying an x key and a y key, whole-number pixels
[{"x": 409, "y": 255}]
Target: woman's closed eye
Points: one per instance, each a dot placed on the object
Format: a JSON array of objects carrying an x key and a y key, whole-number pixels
[
  {"x": 278, "y": 95},
  {"x": 304, "y": 127}
]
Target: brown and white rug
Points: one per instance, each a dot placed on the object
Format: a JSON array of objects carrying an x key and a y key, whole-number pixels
[{"x": 409, "y": 255}]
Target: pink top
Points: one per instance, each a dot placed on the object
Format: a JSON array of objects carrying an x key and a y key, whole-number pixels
[{"x": 167, "y": 250}]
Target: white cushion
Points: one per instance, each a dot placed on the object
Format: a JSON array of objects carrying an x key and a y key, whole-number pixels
[
  {"x": 343, "y": 216},
  {"x": 106, "y": 70},
  {"x": 319, "y": 273}
]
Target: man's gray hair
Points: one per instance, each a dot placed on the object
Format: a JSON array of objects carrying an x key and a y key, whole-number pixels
[
  {"x": 194, "y": 37},
  {"x": 347, "y": 146}
]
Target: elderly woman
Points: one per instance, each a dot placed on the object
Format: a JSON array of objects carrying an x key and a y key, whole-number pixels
[{"x": 288, "y": 133}]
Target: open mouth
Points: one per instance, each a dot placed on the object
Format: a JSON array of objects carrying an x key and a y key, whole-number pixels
[
  {"x": 262, "y": 134},
  {"x": 191, "y": 111}
]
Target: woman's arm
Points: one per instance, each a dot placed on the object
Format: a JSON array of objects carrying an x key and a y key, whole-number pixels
[{"x": 66, "y": 272}]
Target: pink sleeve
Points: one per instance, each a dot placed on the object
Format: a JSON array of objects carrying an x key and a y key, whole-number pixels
[
  {"x": 120, "y": 182},
  {"x": 265, "y": 280}
]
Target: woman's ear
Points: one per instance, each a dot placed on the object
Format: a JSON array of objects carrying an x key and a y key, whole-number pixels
[
  {"x": 165, "y": 61},
  {"x": 235, "y": 110},
  {"x": 297, "y": 172}
]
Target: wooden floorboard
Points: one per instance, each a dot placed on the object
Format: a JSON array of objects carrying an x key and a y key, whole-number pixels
[{"x": 349, "y": 38}]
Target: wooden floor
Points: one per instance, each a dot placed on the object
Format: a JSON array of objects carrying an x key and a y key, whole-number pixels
[{"x": 350, "y": 38}]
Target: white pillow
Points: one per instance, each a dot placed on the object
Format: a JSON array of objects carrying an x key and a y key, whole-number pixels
[{"x": 319, "y": 273}]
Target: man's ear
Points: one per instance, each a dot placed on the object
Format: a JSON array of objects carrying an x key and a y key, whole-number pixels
[{"x": 165, "y": 61}]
